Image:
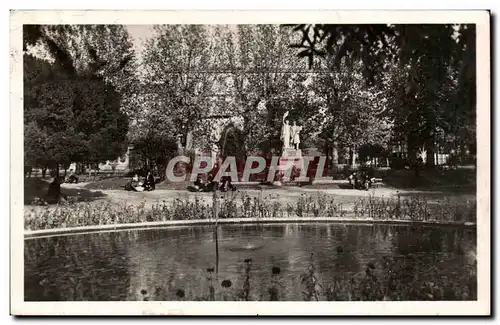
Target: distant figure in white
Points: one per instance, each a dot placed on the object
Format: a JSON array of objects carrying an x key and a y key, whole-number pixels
[
  {"x": 285, "y": 132},
  {"x": 296, "y": 135}
]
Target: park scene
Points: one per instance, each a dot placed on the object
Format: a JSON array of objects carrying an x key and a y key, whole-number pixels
[{"x": 250, "y": 162}]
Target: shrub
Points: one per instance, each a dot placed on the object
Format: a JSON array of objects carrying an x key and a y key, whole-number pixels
[{"x": 241, "y": 205}]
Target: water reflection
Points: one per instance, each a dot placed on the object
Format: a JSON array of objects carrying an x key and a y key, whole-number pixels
[{"x": 135, "y": 264}]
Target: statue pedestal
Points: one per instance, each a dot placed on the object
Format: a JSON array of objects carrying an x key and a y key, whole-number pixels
[
  {"x": 291, "y": 152},
  {"x": 290, "y": 160}
]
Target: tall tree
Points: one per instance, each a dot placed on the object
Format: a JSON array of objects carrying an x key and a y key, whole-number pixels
[
  {"x": 176, "y": 64},
  {"x": 73, "y": 103},
  {"x": 352, "y": 113},
  {"x": 265, "y": 80},
  {"x": 423, "y": 87}
]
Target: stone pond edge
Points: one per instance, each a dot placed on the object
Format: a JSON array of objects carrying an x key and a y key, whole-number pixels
[{"x": 33, "y": 234}]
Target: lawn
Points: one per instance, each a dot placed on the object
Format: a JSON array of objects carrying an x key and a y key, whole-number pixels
[
  {"x": 442, "y": 195},
  {"x": 459, "y": 180}
]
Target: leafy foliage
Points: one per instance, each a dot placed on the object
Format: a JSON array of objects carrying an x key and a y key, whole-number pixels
[
  {"x": 73, "y": 108},
  {"x": 421, "y": 69},
  {"x": 176, "y": 62}
]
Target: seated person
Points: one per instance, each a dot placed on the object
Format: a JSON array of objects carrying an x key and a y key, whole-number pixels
[
  {"x": 351, "y": 179},
  {"x": 152, "y": 181},
  {"x": 356, "y": 179},
  {"x": 363, "y": 181},
  {"x": 135, "y": 179},
  {"x": 199, "y": 182},
  {"x": 211, "y": 184},
  {"x": 140, "y": 187},
  {"x": 72, "y": 179},
  {"x": 198, "y": 185},
  {"x": 134, "y": 185},
  {"x": 149, "y": 183},
  {"x": 129, "y": 186},
  {"x": 226, "y": 184}
]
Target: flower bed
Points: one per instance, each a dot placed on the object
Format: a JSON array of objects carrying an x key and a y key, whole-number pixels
[{"x": 240, "y": 205}]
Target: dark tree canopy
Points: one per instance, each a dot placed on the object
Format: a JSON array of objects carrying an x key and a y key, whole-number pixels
[
  {"x": 428, "y": 72},
  {"x": 72, "y": 110}
]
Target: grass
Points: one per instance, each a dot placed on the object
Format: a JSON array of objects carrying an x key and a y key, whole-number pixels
[
  {"x": 241, "y": 205},
  {"x": 429, "y": 179},
  {"x": 452, "y": 180},
  {"x": 35, "y": 192}
]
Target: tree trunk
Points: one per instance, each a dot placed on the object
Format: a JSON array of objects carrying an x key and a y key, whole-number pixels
[
  {"x": 326, "y": 150},
  {"x": 412, "y": 154},
  {"x": 335, "y": 154},
  {"x": 54, "y": 190},
  {"x": 353, "y": 158},
  {"x": 189, "y": 140},
  {"x": 430, "y": 155}
]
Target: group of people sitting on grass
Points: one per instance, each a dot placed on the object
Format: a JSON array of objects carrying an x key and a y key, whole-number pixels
[
  {"x": 138, "y": 185},
  {"x": 362, "y": 179},
  {"x": 71, "y": 179},
  {"x": 211, "y": 185}
]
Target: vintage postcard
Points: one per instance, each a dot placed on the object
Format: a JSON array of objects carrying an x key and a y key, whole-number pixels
[{"x": 250, "y": 162}]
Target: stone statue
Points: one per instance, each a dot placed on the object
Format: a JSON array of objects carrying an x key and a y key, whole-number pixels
[
  {"x": 295, "y": 132},
  {"x": 285, "y": 132},
  {"x": 180, "y": 148}
]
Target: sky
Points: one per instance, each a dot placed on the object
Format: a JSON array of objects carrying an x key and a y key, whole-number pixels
[{"x": 139, "y": 34}]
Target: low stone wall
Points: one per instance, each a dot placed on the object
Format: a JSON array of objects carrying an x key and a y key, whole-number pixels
[{"x": 28, "y": 234}]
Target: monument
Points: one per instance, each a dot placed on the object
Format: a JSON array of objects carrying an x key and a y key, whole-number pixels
[
  {"x": 295, "y": 136},
  {"x": 180, "y": 147},
  {"x": 290, "y": 136},
  {"x": 291, "y": 155},
  {"x": 285, "y": 133}
]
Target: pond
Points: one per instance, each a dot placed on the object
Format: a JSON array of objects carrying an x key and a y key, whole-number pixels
[{"x": 171, "y": 263}]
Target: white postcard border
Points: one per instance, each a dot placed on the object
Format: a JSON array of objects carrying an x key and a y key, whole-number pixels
[{"x": 479, "y": 307}]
